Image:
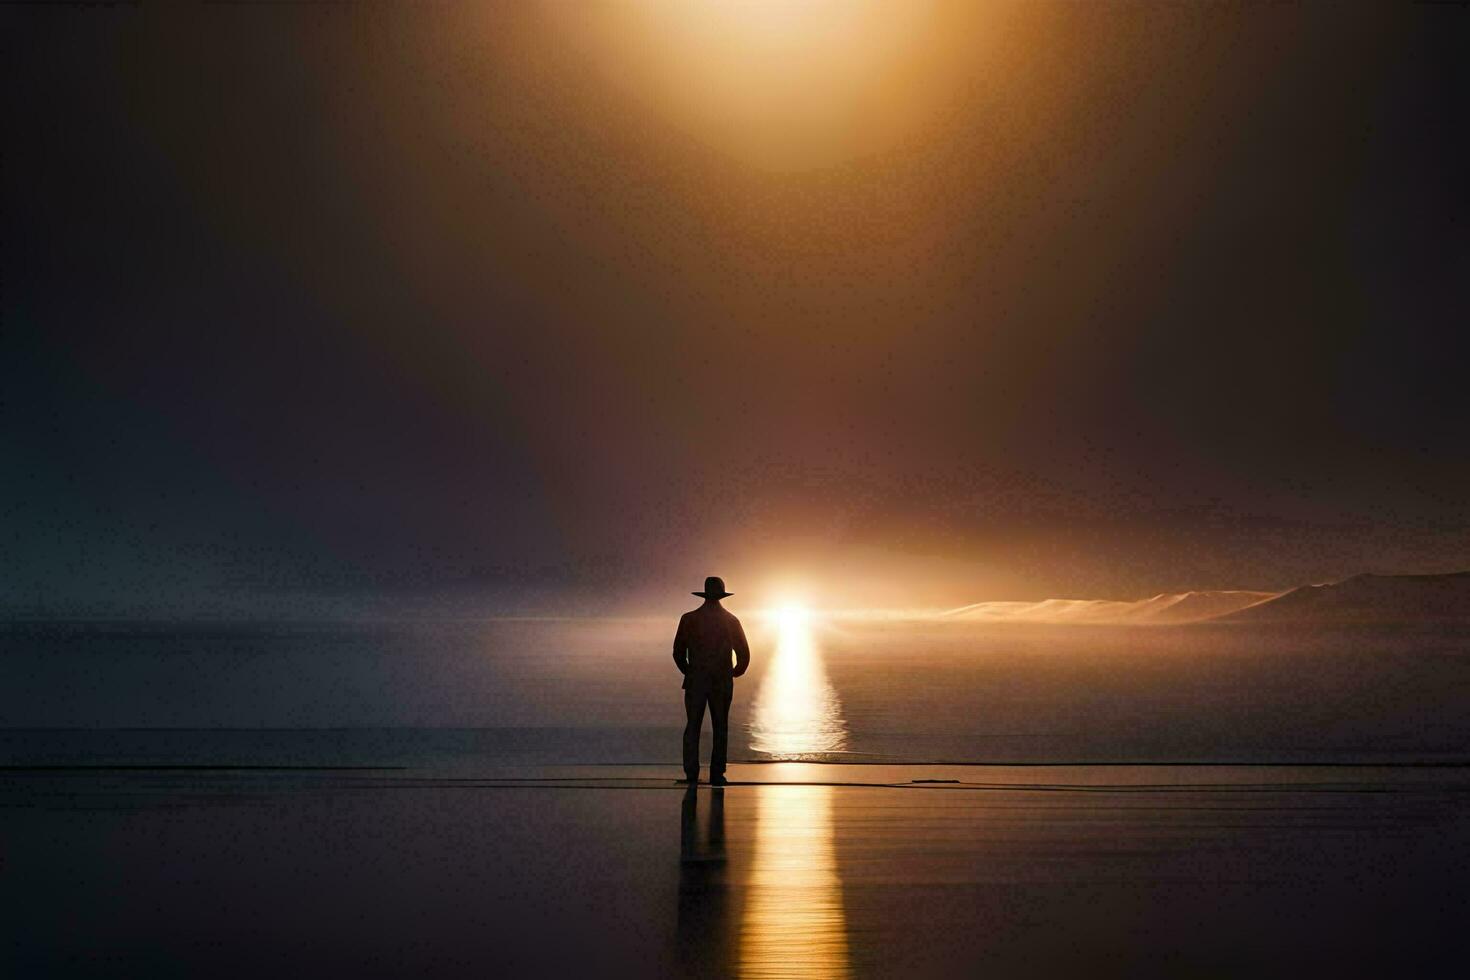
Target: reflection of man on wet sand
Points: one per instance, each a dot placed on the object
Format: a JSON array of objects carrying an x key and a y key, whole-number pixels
[
  {"x": 704, "y": 927},
  {"x": 702, "y": 648},
  {"x": 711, "y": 851}
]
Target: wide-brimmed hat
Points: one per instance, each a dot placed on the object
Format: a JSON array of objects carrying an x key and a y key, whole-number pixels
[{"x": 714, "y": 588}]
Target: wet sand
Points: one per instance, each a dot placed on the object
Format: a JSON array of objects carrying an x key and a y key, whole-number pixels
[{"x": 796, "y": 870}]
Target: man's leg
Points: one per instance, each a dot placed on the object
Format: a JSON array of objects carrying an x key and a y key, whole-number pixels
[
  {"x": 719, "y": 718},
  {"x": 694, "y": 698}
]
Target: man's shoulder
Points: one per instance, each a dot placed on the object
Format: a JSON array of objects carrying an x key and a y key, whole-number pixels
[{"x": 705, "y": 612}]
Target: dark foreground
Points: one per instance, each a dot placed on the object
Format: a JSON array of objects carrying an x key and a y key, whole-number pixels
[{"x": 799, "y": 870}]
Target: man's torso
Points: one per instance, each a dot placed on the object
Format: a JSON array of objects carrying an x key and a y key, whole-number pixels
[{"x": 708, "y": 635}]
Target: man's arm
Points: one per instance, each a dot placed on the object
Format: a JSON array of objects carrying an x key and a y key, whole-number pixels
[
  {"x": 742, "y": 648},
  {"x": 681, "y": 645}
]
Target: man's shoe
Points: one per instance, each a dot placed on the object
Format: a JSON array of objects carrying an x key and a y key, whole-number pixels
[{"x": 718, "y": 781}]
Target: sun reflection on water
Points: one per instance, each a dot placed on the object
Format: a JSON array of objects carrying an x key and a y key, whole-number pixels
[
  {"x": 794, "y": 924},
  {"x": 797, "y": 714}
]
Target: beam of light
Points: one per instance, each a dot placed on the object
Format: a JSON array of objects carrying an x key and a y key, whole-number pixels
[
  {"x": 794, "y": 924},
  {"x": 797, "y": 714},
  {"x": 780, "y": 84}
]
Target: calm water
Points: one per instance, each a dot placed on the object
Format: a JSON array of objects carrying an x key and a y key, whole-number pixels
[
  {"x": 176, "y": 803},
  {"x": 797, "y": 870},
  {"x": 458, "y": 696}
]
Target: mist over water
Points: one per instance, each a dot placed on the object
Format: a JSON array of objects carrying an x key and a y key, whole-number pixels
[{"x": 606, "y": 691}]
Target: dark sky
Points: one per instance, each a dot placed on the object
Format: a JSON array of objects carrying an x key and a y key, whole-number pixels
[{"x": 540, "y": 307}]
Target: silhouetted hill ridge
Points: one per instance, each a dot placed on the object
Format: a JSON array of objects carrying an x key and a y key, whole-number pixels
[{"x": 1366, "y": 598}]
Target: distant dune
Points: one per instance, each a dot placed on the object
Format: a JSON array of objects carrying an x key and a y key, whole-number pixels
[
  {"x": 1366, "y": 599},
  {"x": 1360, "y": 599},
  {"x": 1163, "y": 609}
]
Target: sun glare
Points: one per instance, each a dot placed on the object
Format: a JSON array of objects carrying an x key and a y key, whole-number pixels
[
  {"x": 790, "y": 618},
  {"x": 779, "y": 84}
]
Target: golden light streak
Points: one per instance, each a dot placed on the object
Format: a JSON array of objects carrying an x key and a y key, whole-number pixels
[
  {"x": 797, "y": 713},
  {"x": 794, "y": 924}
]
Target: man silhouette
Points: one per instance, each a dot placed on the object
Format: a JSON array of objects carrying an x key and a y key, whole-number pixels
[{"x": 702, "y": 647}]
